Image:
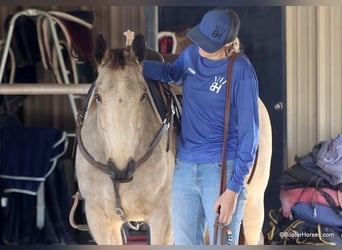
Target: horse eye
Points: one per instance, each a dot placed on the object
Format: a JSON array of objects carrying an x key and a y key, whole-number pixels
[
  {"x": 143, "y": 97},
  {"x": 98, "y": 98}
]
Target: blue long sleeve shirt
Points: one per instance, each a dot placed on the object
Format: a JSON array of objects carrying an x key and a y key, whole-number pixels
[{"x": 203, "y": 106}]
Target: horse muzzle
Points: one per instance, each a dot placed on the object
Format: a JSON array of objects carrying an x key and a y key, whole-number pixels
[{"x": 121, "y": 175}]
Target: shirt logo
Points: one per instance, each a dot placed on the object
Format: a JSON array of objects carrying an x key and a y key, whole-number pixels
[
  {"x": 191, "y": 70},
  {"x": 217, "y": 84}
]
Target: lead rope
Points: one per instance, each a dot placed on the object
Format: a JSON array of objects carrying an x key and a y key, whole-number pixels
[
  {"x": 119, "y": 211},
  {"x": 226, "y": 234}
]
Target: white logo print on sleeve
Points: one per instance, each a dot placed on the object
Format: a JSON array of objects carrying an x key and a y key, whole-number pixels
[{"x": 217, "y": 84}]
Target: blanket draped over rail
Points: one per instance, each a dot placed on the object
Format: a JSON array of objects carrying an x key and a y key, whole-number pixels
[{"x": 27, "y": 157}]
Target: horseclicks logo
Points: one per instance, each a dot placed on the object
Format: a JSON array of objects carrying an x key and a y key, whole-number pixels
[
  {"x": 217, "y": 84},
  {"x": 218, "y": 32}
]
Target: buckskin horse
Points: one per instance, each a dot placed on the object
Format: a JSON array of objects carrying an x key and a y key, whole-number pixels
[{"x": 125, "y": 155}]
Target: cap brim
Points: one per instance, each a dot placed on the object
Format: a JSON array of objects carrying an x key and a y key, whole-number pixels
[{"x": 197, "y": 37}]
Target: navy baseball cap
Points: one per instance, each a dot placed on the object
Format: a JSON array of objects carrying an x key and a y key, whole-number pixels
[{"x": 217, "y": 27}]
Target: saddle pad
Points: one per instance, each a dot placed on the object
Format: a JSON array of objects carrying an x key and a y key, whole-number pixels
[{"x": 289, "y": 197}]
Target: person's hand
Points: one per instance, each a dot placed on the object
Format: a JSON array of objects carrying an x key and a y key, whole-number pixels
[{"x": 225, "y": 206}]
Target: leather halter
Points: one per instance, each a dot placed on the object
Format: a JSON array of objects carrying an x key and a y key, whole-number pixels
[{"x": 110, "y": 169}]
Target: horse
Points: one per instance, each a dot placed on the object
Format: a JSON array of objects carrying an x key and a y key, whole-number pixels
[
  {"x": 126, "y": 152},
  {"x": 257, "y": 180},
  {"x": 122, "y": 135}
]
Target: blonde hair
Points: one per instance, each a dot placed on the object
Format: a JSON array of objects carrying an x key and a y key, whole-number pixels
[{"x": 233, "y": 47}]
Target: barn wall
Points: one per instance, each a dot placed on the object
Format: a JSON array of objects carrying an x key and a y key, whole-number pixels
[{"x": 314, "y": 76}]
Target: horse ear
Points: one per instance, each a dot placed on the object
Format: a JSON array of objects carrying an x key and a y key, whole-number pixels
[
  {"x": 139, "y": 47},
  {"x": 100, "y": 48}
]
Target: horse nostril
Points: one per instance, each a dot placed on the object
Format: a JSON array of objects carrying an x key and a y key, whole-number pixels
[
  {"x": 112, "y": 168},
  {"x": 110, "y": 162},
  {"x": 131, "y": 162},
  {"x": 131, "y": 167}
]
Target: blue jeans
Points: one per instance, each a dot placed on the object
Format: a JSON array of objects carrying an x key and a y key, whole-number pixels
[{"x": 195, "y": 189}]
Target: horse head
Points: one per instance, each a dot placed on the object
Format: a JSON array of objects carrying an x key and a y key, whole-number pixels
[{"x": 120, "y": 103}]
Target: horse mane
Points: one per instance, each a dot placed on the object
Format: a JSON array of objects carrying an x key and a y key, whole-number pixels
[{"x": 119, "y": 58}]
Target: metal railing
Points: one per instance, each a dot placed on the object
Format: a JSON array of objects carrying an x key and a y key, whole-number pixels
[{"x": 44, "y": 89}]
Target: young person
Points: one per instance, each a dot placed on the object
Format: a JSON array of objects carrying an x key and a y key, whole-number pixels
[{"x": 202, "y": 71}]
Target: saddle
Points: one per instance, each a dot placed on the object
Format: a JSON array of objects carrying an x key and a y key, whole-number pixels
[{"x": 166, "y": 100}]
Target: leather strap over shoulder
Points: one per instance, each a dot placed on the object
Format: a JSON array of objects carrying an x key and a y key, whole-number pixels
[
  {"x": 226, "y": 122},
  {"x": 223, "y": 185}
]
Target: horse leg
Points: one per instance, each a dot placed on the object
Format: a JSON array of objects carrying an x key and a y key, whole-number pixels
[
  {"x": 253, "y": 220},
  {"x": 105, "y": 229},
  {"x": 160, "y": 227}
]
